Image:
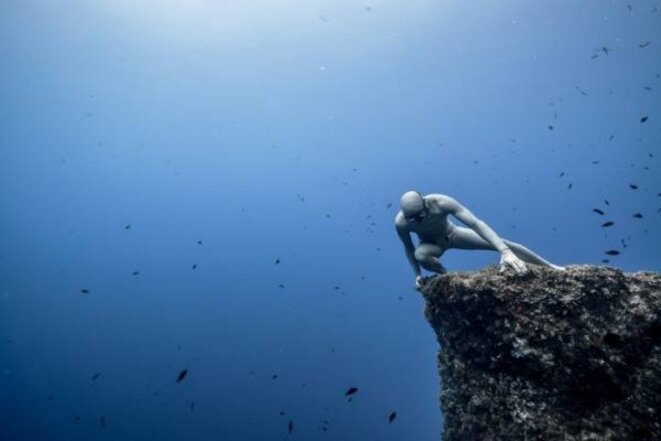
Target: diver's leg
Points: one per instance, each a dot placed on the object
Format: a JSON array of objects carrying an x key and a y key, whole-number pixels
[
  {"x": 467, "y": 239},
  {"x": 529, "y": 256},
  {"x": 427, "y": 255}
]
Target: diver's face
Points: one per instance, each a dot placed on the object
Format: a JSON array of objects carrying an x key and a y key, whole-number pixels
[{"x": 419, "y": 216}]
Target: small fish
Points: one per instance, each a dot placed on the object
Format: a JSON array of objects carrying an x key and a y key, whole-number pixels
[
  {"x": 605, "y": 260},
  {"x": 644, "y": 45},
  {"x": 606, "y": 202},
  {"x": 612, "y": 252},
  {"x": 644, "y": 118},
  {"x": 192, "y": 405},
  {"x": 85, "y": 291},
  {"x": 199, "y": 242},
  {"x": 95, "y": 376},
  {"x": 550, "y": 127},
  {"x": 561, "y": 174},
  {"x": 102, "y": 421},
  {"x": 389, "y": 205},
  {"x": 280, "y": 285},
  {"x": 290, "y": 426},
  {"x": 570, "y": 186},
  {"x": 605, "y": 50},
  {"x": 182, "y": 375},
  {"x": 607, "y": 224},
  {"x": 638, "y": 216},
  {"x": 194, "y": 266},
  {"x": 127, "y": 227},
  {"x": 392, "y": 417},
  {"x": 610, "y": 138},
  {"x": 351, "y": 391},
  {"x": 598, "y": 211},
  {"x": 633, "y": 186},
  {"x": 274, "y": 376},
  {"x": 135, "y": 273},
  {"x": 277, "y": 261}
]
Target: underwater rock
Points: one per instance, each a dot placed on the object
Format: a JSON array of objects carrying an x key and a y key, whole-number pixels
[{"x": 550, "y": 355}]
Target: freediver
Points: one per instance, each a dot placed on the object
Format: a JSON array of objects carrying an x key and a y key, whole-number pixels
[{"x": 427, "y": 217}]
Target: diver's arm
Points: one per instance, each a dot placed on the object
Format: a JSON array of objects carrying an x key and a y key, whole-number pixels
[
  {"x": 405, "y": 237},
  {"x": 477, "y": 225}
]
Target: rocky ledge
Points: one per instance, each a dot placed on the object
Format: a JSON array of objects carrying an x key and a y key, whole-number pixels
[{"x": 551, "y": 355}]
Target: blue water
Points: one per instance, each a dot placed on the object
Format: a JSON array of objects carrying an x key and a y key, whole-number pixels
[{"x": 155, "y": 136}]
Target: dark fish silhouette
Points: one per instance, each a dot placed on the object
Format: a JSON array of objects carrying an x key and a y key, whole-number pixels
[
  {"x": 644, "y": 118},
  {"x": 192, "y": 405},
  {"x": 290, "y": 426},
  {"x": 135, "y": 273},
  {"x": 274, "y": 376},
  {"x": 351, "y": 391},
  {"x": 194, "y": 266},
  {"x": 102, "y": 421},
  {"x": 638, "y": 216},
  {"x": 633, "y": 186},
  {"x": 277, "y": 261},
  {"x": 606, "y": 202},
  {"x": 95, "y": 376},
  {"x": 392, "y": 417},
  {"x": 127, "y": 227},
  {"x": 85, "y": 291},
  {"x": 607, "y": 224},
  {"x": 644, "y": 45},
  {"x": 182, "y": 375},
  {"x": 598, "y": 211},
  {"x": 612, "y": 252},
  {"x": 570, "y": 186}
]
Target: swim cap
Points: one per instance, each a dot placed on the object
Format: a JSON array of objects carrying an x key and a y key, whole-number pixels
[{"x": 411, "y": 203}]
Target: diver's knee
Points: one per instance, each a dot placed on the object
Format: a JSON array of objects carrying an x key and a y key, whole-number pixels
[{"x": 420, "y": 254}]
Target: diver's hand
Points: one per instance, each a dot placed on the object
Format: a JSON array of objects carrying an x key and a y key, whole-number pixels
[
  {"x": 509, "y": 260},
  {"x": 418, "y": 283}
]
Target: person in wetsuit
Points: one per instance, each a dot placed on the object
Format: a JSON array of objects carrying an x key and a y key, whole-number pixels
[{"x": 427, "y": 217}]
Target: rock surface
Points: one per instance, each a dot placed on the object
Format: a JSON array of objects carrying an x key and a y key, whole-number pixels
[{"x": 551, "y": 355}]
